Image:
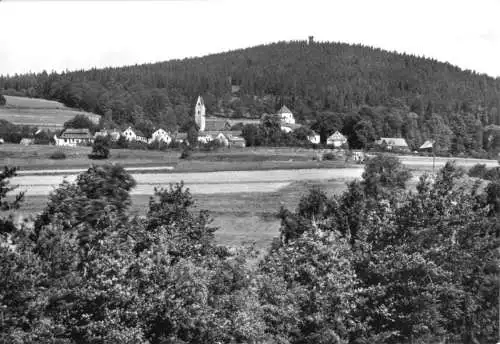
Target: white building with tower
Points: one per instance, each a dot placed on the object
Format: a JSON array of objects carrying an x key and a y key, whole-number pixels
[{"x": 199, "y": 114}]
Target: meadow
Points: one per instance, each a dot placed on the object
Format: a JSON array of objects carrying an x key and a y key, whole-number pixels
[
  {"x": 37, "y": 157},
  {"x": 39, "y": 112}
]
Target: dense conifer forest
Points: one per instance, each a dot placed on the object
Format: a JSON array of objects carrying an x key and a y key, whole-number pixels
[{"x": 360, "y": 90}]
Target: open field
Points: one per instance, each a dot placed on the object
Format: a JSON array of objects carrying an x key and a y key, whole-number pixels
[
  {"x": 243, "y": 218},
  {"x": 36, "y": 157},
  {"x": 39, "y": 112}
]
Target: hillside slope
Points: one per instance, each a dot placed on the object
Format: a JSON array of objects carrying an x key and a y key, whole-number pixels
[
  {"x": 314, "y": 80},
  {"x": 39, "y": 112}
]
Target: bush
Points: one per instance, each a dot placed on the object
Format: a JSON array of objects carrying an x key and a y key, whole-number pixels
[
  {"x": 329, "y": 156},
  {"x": 100, "y": 148},
  {"x": 2, "y": 100},
  {"x": 58, "y": 155},
  {"x": 186, "y": 154},
  {"x": 478, "y": 171}
]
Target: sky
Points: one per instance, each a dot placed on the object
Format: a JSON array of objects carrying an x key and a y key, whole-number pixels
[{"x": 59, "y": 35}]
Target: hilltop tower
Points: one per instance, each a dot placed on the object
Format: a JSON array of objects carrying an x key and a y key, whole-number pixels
[
  {"x": 199, "y": 114},
  {"x": 311, "y": 40}
]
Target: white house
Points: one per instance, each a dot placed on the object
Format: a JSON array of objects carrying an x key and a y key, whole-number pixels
[
  {"x": 205, "y": 137},
  {"x": 286, "y": 129},
  {"x": 74, "y": 137},
  {"x": 129, "y": 134},
  {"x": 222, "y": 139},
  {"x": 314, "y": 138},
  {"x": 134, "y": 135},
  {"x": 285, "y": 115},
  {"x": 336, "y": 139},
  {"x": 160, "y": 135},
  {"x": 114, "y": 134}
]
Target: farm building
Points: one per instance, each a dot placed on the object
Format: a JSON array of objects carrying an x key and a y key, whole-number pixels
[
  {"x": 25, "y": 141},
  {"x": 336, "y": 139},
  {"x": 160, "y": 135},
  {"x": 74, "y": 137},
  {"x": 393, "y": 143}
]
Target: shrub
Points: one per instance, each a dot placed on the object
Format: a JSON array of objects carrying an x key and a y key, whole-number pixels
[
  {"x": 2, "y": 100},
  {"x": 186, "y": 154},
  {"x": 100, "y": 148},
  {"x": 59, "y": 155},
  {"x": 478, "y": 171},
  {"x": 329, "y": 156}
]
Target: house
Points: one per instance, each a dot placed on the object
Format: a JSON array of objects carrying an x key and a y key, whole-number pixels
[
  {"x": 129, "y": 134},
  {"x": 427, "y": 146},
  {"x": 25, "y": 141},
  {"x": 205, "y": 137},
  {"x": 285, "y": 115},
  {"x": 336, "y": 139},
  {"x": 393, "y": 143},
  {"x": 180, "y": 137},
  {"x": 134, "y": 135},
  {"x": 314, "y": 138},
  {"x": 236, "y": 141},
  {"x": 114, "y": 134},
  {"x": 222, "y": 139},
  {"x": 286, "y": 129},
  {"x": 160, "y": 135},
  {"x": 74, "y": 137}
]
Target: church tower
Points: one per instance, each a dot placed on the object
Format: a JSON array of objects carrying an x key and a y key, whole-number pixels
[{"x": 199, "y": 114}]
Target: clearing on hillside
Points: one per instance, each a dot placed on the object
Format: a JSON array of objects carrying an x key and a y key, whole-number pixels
[{"x": 41, "y": 113}]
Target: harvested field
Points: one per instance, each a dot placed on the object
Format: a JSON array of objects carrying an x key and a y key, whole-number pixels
[{"x": 39, "y": 112}]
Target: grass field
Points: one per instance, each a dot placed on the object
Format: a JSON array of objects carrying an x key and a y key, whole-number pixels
[
  {"x": 37, "y": 157},
  {"x": 242, "y": 219},
  {"x": 39, "y": 112}
]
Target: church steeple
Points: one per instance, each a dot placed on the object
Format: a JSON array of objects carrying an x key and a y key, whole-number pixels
[{"x": 199, "y": 114}]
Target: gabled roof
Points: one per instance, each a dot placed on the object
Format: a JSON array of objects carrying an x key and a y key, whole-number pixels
[
  {"x": 284, "y": 109},
  {"x": 427, "y": 144},
  {"x": 76, "y": 134},
  {"x": 393, "y": 141},
  {"x": 337, "y": 136},
  {"x": 139, "y": 133},
  {"x": 216, "y": 123},
  {"x": 200, "y": 100}
]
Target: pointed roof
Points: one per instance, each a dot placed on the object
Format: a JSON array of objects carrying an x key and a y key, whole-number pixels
[
  {"x": 337, "y": 136},
  {"x": 284, "y": 109},
  {"x": 427, "y": 144},
  {"x": 200, "y": 100}
]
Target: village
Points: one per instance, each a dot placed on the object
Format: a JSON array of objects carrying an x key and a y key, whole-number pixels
[{"x": 222, "y": 132}]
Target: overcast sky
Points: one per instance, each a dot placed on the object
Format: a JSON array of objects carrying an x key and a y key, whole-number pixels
[{"x": 68, "y": 34}]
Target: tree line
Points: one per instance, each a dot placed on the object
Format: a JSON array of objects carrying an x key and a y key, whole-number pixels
[{"x": 374, "y": 264}]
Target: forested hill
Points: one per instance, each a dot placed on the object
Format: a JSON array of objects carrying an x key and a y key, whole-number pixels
[{"x": 311, "y": 79}]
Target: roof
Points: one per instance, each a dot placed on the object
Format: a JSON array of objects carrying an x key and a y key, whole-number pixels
[
  {"x": 200, "y": 100},
  {"x": 227, "y": 133},
  {"x": 233, "y": 121},
  {"x": 393, "y": 141},
  {"x": 181, "y": 136},
  {"x": 215, "y": 123},
  {"x": 337, "y": 136},
  {"x": 76, "y": 134},
  {"x": 284, "y": 109},
  {"x": 427, "y": 144},
  {"x": 291, "y": 126}
]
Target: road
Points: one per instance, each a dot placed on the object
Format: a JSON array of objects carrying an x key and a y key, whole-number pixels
[{"x": 203, "y": 182}]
